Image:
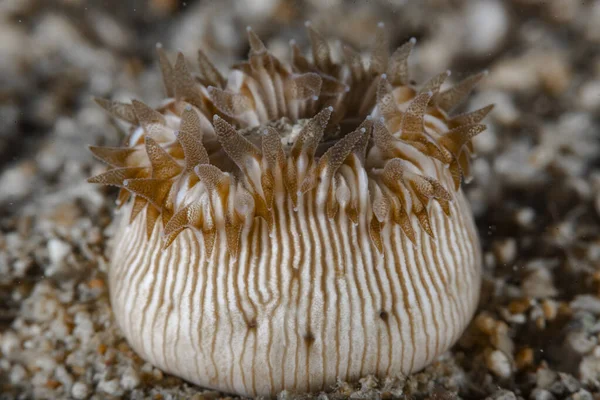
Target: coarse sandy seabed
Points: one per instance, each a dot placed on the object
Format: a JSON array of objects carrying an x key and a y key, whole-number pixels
[{"x": 535, "y": 193}]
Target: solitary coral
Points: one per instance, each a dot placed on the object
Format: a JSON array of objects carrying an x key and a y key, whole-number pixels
[{"x": 293, "y": 225}]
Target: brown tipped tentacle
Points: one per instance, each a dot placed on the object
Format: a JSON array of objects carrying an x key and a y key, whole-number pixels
[
  {"x": 147, "y": 115},
  {"x": 113, "y": 156},
  {"x": 186, "y": 88},
  {"x": 397, "y": 71},
  {"x": 449, "y": 99},
  {"x": 122, "y": 111},
  {"x": 190, "y": 137},
  {"x": 167, "y": 71},
  {"x": 209, "y": 74}
]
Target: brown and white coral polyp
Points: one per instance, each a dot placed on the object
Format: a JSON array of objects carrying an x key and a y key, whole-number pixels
[{"x": 292, "y": 225}]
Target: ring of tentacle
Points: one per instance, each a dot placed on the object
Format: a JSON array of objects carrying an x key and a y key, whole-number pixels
[{"x": 221, "y": 151}]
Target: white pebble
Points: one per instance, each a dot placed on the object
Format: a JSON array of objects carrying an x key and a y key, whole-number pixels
[
  {"x": 582, "y": 394},
  {"x": 110, "y": 387},
  {"x": 541, "y": 394},
  {"x": 59, "y": 329},
  {"x": 589, "y": 96},
  {"x": 502, "y": 395},
  {"x": 539, "y": 283},
  {"x": 487, "y": 25},
  {"x": 18, "y": 374},
  {"x": 17, "y": 181},
  {"x": 58, "y": 250},
  {"x": 581, "y": 343},
  {"x": 84, "y": 327},
  {"x": 506, "y": 250},
  {"x": 10, "y": 343},
  {"x": 589, "y": 369},
  {"x": 63, "y": 376},
  {"x": 45, "y": 363},
  {"x": 525, "y": 217},
  {"x": 80, "y": 390},
  {"x": 586, "y": 302},
  {"x": 130, "y": 379},
  {"x": 499, "y": 364}
]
